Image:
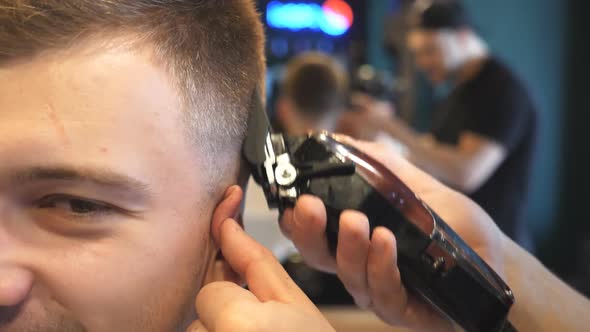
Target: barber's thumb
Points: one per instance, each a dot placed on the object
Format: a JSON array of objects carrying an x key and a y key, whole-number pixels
[{"x": 197, "y": 326}]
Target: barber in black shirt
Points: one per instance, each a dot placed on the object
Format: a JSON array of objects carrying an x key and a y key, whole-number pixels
[{"x": 483, "y": 134}]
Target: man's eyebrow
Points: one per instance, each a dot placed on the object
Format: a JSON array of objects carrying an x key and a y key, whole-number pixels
[{"x": 101, "y": 177}]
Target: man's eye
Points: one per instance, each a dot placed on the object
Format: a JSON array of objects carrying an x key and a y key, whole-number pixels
[{"x": 74, "y": 205}]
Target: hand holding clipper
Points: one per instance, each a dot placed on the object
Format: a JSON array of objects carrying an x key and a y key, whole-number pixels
[{"x": 434, "y": 262}]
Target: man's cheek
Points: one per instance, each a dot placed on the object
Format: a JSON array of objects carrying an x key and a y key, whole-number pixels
[
  {"x": 142, "y": 275},
  {"x": 151, "y": 273},
  {"x": 92, "y": 281},
  {"x": 89, "y": 279}
]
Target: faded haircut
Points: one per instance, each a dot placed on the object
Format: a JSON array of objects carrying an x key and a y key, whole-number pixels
[{"x": 213, "y": 50}]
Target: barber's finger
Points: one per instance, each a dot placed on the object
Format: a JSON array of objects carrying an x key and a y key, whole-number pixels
[
  {"x": 306, "y": 227},
  {"x": 388, "y": 295},
  {"x": 227, "y": 208},
  {"x": 264, "y": 275},
  {"x": 352, "y": 254},
  {"x": 197, "y": 326},
  {"x": 215, "y": 299},
  {"x": 390, "y": 299}
]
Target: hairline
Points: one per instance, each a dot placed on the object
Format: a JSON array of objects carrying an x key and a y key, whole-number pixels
[{"x": 138, "y": 43}]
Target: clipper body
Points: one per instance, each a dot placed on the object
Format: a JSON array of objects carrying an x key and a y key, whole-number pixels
[{"x": 434, "y": 261}]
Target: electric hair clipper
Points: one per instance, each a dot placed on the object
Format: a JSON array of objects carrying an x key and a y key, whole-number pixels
[{"x": 433, "y": 260}]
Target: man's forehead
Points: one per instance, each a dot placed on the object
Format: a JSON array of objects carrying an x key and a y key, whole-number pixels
[
  {"x": 85, "y": 104},
  {"x": 75, "y": 82}
]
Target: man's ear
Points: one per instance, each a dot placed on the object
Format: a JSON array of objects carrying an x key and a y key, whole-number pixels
[
  {"x": 220, "y": 270},
  {"x": 228, "y": 207}
]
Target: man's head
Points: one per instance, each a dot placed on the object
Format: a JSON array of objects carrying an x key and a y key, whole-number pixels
[
  {"x": 442, "y": 40},
  {"x": 313, "y": 93},
  {"x": 121, "y": 126}
]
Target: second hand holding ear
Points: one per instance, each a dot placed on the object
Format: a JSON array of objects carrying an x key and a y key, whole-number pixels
[{"x": 273, "y": 301}]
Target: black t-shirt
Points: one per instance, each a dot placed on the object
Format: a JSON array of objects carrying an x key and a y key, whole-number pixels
[{"x": 496, "y": 105}]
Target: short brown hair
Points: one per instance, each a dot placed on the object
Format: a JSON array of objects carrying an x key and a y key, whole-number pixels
[
  {"x": 212, "y": 48},
  {"x": 316, "y": 83}
]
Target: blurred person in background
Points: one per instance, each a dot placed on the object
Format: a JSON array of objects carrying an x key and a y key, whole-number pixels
[
  {"x": 312, "y": 96},
  {"x": 483, "y": 134},
  {"x": 369, "y": 85}
]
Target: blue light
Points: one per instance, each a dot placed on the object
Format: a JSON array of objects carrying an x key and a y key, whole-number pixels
[
  {"x": 293, "y": 16},
  {"x": 333, "y": 24},
  {"x": 310, "y": 16}
]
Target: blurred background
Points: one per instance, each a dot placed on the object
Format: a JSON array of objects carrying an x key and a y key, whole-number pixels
[{"x": 545, "y": 45}]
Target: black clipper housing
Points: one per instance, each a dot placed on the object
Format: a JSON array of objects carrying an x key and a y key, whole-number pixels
[{"x": 434, "y": 261}]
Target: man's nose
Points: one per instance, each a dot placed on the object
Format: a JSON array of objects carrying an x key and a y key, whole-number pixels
[{"x": 15, "y": 285}]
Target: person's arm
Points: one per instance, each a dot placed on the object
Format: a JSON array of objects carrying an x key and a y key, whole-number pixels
[
  {"x": 543, "y": 301},
  {"x": 465, "y": 166},
  {"x": 496, "y": 121}
]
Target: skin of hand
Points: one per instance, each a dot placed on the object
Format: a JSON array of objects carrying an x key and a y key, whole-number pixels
[
  {"x": 273, "y": 301},
  {"x": 368, "y": 119},
  {"x": 465, "y": 166},
  {"x": 367, "y": 264}
]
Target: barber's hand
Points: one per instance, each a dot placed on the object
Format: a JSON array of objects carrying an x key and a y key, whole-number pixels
[
  {"x": 273, "y": 301},
  {"x": 368, "y": 265},
  {"x": 367, "y": 119}
]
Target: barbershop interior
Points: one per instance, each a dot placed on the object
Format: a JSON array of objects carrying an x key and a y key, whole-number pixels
[
  {"x": 353, "y": 66},
  {"x": 294, "y": 165}
]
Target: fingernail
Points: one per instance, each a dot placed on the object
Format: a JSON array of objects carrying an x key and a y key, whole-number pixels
[{"x": 229, "y": 191}]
